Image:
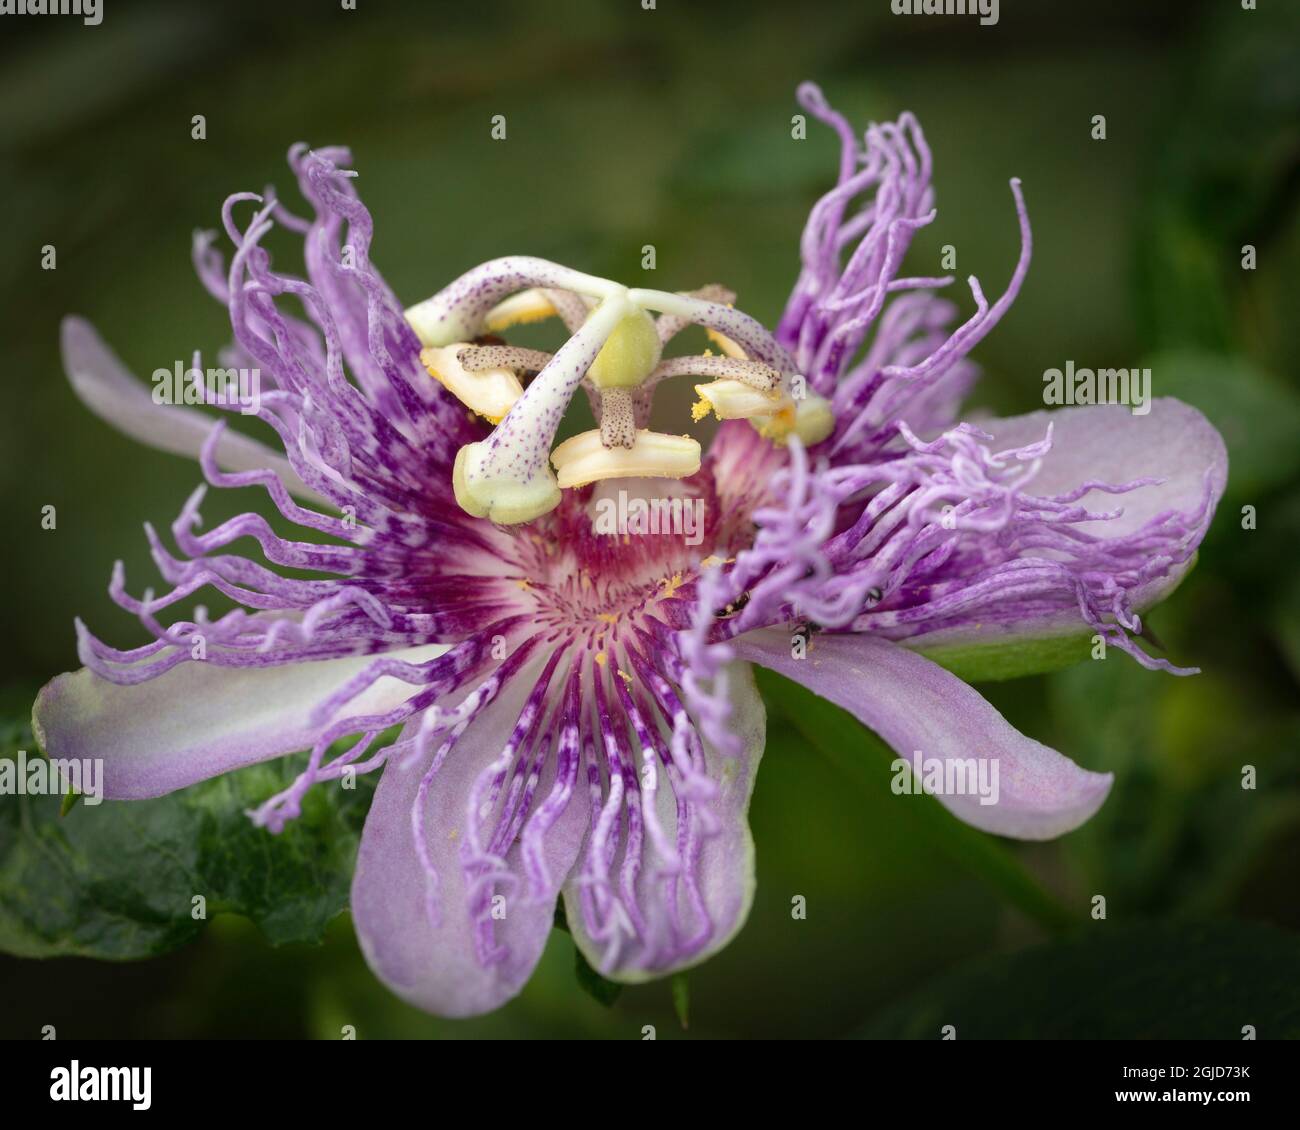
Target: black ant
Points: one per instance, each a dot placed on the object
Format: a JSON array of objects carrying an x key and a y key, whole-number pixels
[{"x": 732, "y": 607}]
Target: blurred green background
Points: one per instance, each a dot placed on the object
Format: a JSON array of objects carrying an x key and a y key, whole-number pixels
[{"x": 672, "y": 127}]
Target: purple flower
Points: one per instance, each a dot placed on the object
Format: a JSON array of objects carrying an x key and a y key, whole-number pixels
[{"x": 577, "y": 712}]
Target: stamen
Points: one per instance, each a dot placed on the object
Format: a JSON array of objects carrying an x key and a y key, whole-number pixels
[
  {"x": 571, "y": 308},
  {"x": 775, "y": 415},
  {"x": 778, "y": 426},
  {"x": 478, "y": 358},
  {"x": 614, "y": 352},
  {"x": 617, "y": 418},
  {"x": 753, "y": 373},
  {"x": 520, "y": 309},
  {"x": 489, "y": 391},
  {"x": 585, "y": 459},
  {"x": 668, "y": 326},
  {"x": 814, "y": 420},
  {"x": 506, "y": 477},
  {"x": 723, "y": 342},
  {"x": 737, "y": 330},
  {"x": 460, "y": 311},
  {"x": 732, "y": 399}
]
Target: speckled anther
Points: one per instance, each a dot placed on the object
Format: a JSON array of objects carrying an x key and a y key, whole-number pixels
[
  {"x": 585, "y": 459},
  {"x": 571, "y": 308}
]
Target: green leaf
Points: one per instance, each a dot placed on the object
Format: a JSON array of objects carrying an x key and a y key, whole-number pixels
[
  {"x": 118, "y": 880},
  {"x": 592, "y": 983},
  {"x": 997, "y": 661},
  {"x": 70, "y": 799},
  {"x": 1173, "y": 980},
  {"x": 599, "y": 988},
  {"x": 843, "y": 741}
]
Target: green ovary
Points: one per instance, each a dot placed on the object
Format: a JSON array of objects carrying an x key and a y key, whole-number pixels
[{"x": 629, "y": 353}]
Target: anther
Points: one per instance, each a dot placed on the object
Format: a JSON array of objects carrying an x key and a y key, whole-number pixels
[
  {"x": 520, "y": 309},
  {"x": 617, "y": 418},
  {"x": 585, "y": 458},
  {"x": 491, "y": 392}
]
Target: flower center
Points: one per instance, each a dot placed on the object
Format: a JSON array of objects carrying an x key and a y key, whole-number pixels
[{"x": 615, "y": 353}]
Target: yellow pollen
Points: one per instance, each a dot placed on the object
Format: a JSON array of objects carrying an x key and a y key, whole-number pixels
[
  {"x": 601, "y": 658},
  {"x": 608, "y": 617},
  {"x": 810, "y": 418},
  {"x": 776, "y": 426},
  {"x": 734, "y": 400},
  {"x": 671, "y": 584},
  {"x": 519, "y": 310}
]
